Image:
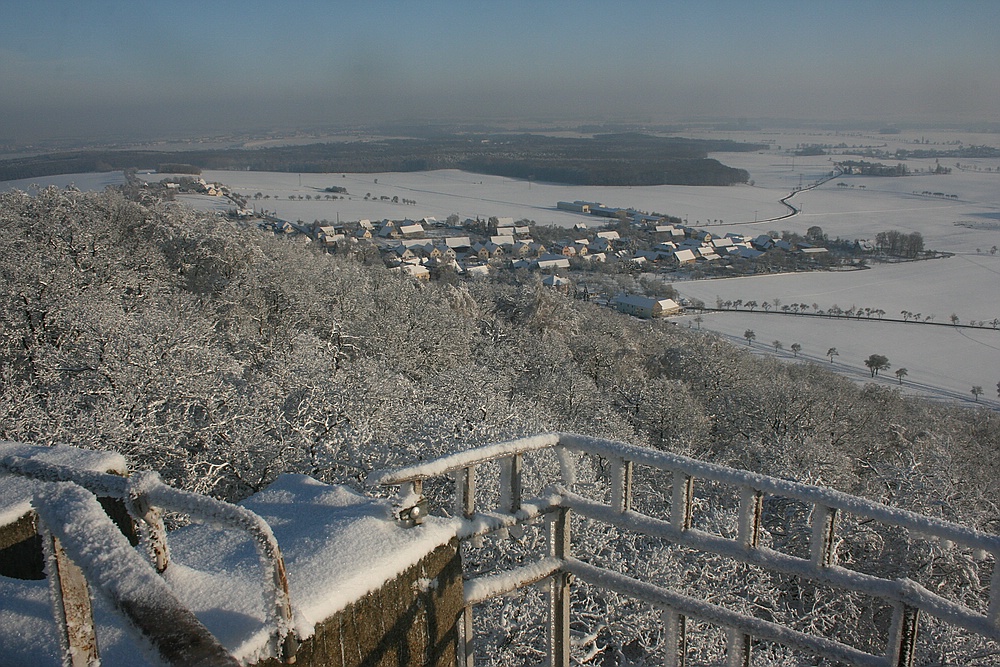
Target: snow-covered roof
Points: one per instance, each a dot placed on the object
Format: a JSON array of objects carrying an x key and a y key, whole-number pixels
[{"x": 686, "y": 255}]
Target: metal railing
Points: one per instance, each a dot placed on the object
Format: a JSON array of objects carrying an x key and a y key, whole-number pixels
[
  {"x": 908, "y": 598},
  {"x": 146, "y": 497}
]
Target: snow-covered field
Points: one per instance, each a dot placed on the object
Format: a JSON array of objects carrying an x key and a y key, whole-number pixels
[{"x": 941, "y": 361}]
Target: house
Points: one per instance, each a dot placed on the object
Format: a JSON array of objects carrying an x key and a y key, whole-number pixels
[
  {"x": 458, "y": 242},
  {"x": 564, "y": 249},
  {"x": 548, "y": 262},
  {"x": 685, "y": 256},
  {"x": 670, "y": 230},
  {"x": 600, "y": 245},
  {"x": 646, "y": 307},
  {"x": 416, "y": 271},
  {"x": 411, "y": 229},
  {"x": 610, "y": 235},
  {"x": 557, "y": 283},
  {"x": 746, "y": 253},
  {"x": 479, "y": 270},
  {"x": 520, "y": 249},
  {"x": 404, "y": 254},
  {"x": 388, "y": 230},
  {"x": 576, "y": 207},
  {"x": 605, "y": 212}
]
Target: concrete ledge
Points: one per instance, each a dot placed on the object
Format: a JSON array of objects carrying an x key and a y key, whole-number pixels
[{"x": 411, "y": 620}]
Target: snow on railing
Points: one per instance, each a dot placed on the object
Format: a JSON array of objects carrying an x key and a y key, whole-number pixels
[
  {"x": 146, "y": 496},
  {"x": 83, "y": 546},
  {"x": 907, "y": 597}
]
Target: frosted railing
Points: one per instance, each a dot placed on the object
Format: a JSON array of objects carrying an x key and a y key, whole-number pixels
[
  {"x": 145, "y": 497},
  {"x": 907, "y": 597}
]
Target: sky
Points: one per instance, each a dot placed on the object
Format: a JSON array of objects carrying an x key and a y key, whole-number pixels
[{"x": 105, "y": 68}]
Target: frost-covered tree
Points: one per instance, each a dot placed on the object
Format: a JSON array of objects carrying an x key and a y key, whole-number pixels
[{"x": 876, "y": 363}]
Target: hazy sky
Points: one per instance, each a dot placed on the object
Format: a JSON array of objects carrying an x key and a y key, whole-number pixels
[{"x": 71, "y": 68}]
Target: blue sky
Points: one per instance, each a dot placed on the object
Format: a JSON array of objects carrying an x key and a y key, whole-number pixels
[{"x": 72, "y": 68}]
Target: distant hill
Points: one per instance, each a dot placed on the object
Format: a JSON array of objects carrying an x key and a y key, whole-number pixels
[{"x": 613, "y": 159}]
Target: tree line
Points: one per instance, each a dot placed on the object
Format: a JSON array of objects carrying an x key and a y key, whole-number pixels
[{"x": 619, "y": 159}]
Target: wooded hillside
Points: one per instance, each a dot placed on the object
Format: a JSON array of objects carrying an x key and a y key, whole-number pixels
[{"x": 222, "y": 357}]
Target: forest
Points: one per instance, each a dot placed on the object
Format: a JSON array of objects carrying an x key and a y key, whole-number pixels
[
  {"x": 613, "y": 159},
  {"x": 222, "y": 356}
]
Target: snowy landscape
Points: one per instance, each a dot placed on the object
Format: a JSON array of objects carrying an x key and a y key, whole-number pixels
[{"x": 942, "y": 363}]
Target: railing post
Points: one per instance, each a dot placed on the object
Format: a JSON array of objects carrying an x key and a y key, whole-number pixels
[
  {"x": 621, "y": 484},
  {"x": 824, "y": 524},
  {"x": 676, "y": 636},
  {"x": 903, "y": 635},
  {"x": 680, "y": 503},
  {"x": 71, "y": 602},
  {"x": 152, "y": 532},
  {"x": 467, "y": 649},
  {"x": 751, "y": 503},
  {"x": 737, "y": 649},
  {"x": 559, "y": 593},
  {"x": 465, "y": 492},
  {"x": 993, "y": 611},
  {"x": 510, "y": 483}
]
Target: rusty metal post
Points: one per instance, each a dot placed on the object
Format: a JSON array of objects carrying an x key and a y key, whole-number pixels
[
  {"x": 680, "y": 503},
  {"x": 512, "y": 483},
  {"x": 467, "y": 648},
  {"x": 993, "y": 611},
  {"x": 465, "y": 492},
  {"x": 824, "y": 526},
  {"x": 559, "y": 591},
  {"x": 903, "y": 635},
  {"x": 152, "y": 532},
  {"x": 737, "y": 649},
  {"x": 676, "y": 636},
  {"x": 751, "y": 504},
  {"x": 71, "y": 602}
]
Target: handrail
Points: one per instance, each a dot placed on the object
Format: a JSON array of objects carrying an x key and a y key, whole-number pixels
[
  {"x": 125, "y": 579},
  {"x": 145, "y": 495},
  {"x": 815, "y": 495},
  {"x": 907, "y": 597}
]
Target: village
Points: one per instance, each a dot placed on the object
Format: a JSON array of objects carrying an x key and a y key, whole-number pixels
[{"x": 622, "y": 241}]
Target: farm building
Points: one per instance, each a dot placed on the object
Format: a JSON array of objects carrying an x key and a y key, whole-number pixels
[{"x": 647, "y": 307}]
